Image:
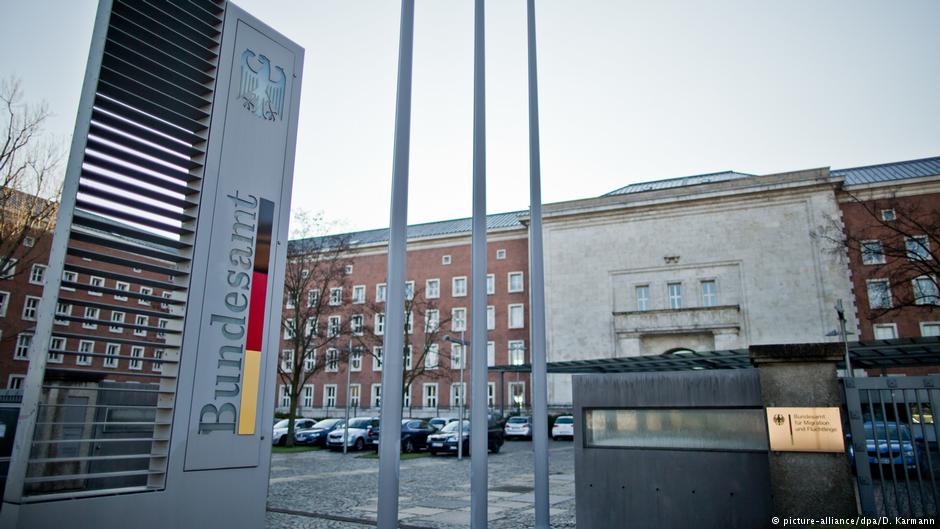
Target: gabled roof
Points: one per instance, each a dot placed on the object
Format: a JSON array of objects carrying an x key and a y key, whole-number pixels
[
  {"x": 887, "y": 172},
  {"x": 681, "y": 181}
]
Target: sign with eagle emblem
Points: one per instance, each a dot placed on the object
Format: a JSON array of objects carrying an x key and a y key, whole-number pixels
[{"x": 260, "y": 94}]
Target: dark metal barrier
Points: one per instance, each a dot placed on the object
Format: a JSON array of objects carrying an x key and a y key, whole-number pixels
[{"x": 893, "y": 444}]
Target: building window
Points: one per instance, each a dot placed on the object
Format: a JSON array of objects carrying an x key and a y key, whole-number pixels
[
  {"x": 287, "y": 361},
  {"x": 310, "y": 360},
  {"x": 516, "y": 282},
  {"x": 145, "y": 291},
  {"x": 675, "y": 295},
  {"x": 458, "y": 319},
  {"x": 117, "y": 322},
  {"x": 15, "y": 381},
  {"x": 141, "y": 321},
  {"x": 8, "y": 269},
  {"x": 123, "y": 287},
  {"x": 457, "y": 392},
  {"x": 336, "y": 296},
  {"x": 888, "y": 215},
  {"x": 431, "y": 358},
  {"x": 355, "y": 361},
  {"x": 918, "y": 248},
  {"x": 879, "y": 294},
  {"x": 432, "y": 288},
  {"x": 490, "y": 317},
  {"x": 285, "y": 396},
  {"x": 23, "y": 341},
  {"x": 406, "y": 360},
  {"x": 348, "y": 269},
  {"x": 329, "y": 395},
  {"x": 91, "y": 314},
  {"x": 313, "y": 298},
  {"x": 359, "y": 294},
  {"x": 332, "y": 360},
  {"x": 872, "y": 253},
  {"x": 885, "y": 331},
  {"x": 432, "y": 320},
  {"x": 406, "y": 397},
  {"x": 376, "y": 358},
  {"x": 355, "y": 324},
  {"x": 290, "y": 329},
  {"x": 69, "y": 277},
  {"x": 307, "y": 396},
  {"x": 354, "y": 395},
  {"x": 290, "y": 301},
  {"x": 430, "y": 395},
  {"x": 709, "y": 293},
  {"x": 491, "y": 394},
  {"x": 56, "y": 346},
  {"x": 490, "y": 284},
  {"x": 136, "y": 363},
  {"x": 157, "y": 366},
  {"x": 379, "y": 324},
  {"x": 643, "y": 297},
  {"x": 516, "y": 352},
  {"x": 111, "y": 355},
  {"x": 376, "y": 395},
  {"x": 500, "y": 254},
  {"x": 30, "y": 308},
  {"x": 334, "y": 323},
  {"x": 930, "y": 328},
  {"x": 381, "y": 290},
  {"x": 925, "y": 291},
  {"x": 4, "y": 303},
  {"x": 409, "y": 322},
  {"x": 409, "y": 290},
  {"x": 161, "y": 323},
  {"x": 95, "y": 282},
  {"x": 445, "y": 260},
  {"x": 456, "y": 356},
  {"x": 516, "y": 316},
  {"x": 459, "y": 287},
  {"x": 166, "y": 295},
  {"x": 85, "y": 347},
  {"x": 38, "y": 274},
  {"x": 517, "y": 394},
  {"x": 29, "y": 241},
  {"x": 490, "y": 354}
]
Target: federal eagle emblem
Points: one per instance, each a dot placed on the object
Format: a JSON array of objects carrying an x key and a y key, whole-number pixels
[{"x": 260, "y": 94}]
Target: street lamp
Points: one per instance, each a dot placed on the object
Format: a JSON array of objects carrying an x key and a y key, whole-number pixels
[
  {"x": 464, "y": 348},
  {"x": 845, "y": 342}
]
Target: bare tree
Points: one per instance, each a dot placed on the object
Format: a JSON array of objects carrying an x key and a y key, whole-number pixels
[
  {"x": 898, "y": 240},
  {"x": 29, "y": 183},
  {"x": 424, "y": 348},
  {"x": 314, "y": 319}
]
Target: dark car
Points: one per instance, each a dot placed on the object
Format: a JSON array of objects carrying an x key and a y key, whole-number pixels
[
  {"x": 439, "y": 422},
  {"x": 890, "y": 443},
  {"x": 315, "y": 435},
  {"x": 446, "y": 440},
  {"x": 414, "y": 434}
]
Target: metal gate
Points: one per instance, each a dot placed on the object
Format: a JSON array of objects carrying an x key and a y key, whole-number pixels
[{"x": 893, "y": 443}]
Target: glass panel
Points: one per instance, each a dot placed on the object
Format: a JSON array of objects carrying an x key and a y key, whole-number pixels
[{"x": 693, "y": 429}]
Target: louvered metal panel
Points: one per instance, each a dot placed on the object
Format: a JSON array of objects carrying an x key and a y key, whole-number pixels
[{"x": 107, "y": 399}]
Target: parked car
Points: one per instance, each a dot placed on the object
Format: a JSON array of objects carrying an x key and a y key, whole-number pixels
[
  {"x": 440, "y": 422},
  {"x": 316, "y": 434},
  {"x": 890, "y": 443},
  {"x": 414, "y": 434},
  {"x": 279, "y": 437},
  {"x": 563, "y": 427},
  {"x": 446, "y": 440},
  {"x": 363, "y": 432},
  {"x": 519, "y": 427}
]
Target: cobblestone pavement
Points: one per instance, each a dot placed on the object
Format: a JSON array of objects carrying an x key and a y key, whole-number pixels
[{"x": 435, "y": 491}]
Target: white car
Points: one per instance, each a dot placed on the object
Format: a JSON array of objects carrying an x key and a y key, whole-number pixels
[
  {"x": 280, "y": 429},
  {"x": 363, "y": 432},
  {"x": 519, "y": 427},
  {"x": 563, "y": 427}
]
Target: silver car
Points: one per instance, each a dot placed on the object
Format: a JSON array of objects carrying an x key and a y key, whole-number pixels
[
  {"x": 279, "y": 437},
  {"x": 362, "y": 433}
]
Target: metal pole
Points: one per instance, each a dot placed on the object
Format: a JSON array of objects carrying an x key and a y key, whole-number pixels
[
  {"x": 537, "y": 291},
  {"x": 502, "y": 393},
  {"x": 463, "y": 396},
  {"x": 394, "y": 342},
  {"x": 478, "y": 416},
  {"x": 845, "y": 341},
  {"x": 348, "y": 370}
]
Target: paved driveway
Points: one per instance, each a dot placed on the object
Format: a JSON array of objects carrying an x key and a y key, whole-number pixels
[{"x": 328, "y": 490}]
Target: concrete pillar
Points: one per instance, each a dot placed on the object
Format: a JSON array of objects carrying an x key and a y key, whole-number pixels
[{"x": 805, "y": 484}]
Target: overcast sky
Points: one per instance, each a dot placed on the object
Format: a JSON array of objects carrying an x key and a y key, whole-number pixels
[{"x": 629, "y": 91}]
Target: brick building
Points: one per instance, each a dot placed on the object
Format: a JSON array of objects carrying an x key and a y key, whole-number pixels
[{"x": 438, "y": 266}]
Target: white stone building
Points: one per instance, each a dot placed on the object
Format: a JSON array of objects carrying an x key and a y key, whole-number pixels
[{"x": 710, "y": 262}]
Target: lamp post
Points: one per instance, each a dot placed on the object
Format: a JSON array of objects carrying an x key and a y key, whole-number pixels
[
  {"x": 463, "y": 362},
  {"x": 845, "y": 342},
  {"x": 348, "y": 371}
]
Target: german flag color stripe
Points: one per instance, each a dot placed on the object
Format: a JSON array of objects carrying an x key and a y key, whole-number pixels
[{"x": 251, "y": 366}]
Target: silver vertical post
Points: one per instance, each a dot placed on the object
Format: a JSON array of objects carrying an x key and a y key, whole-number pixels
[
  {"x": 478, "y": 417},
  {"x": 463, "y": 395},
  {"x": 394, "y": 342},
  {"x": 348, "y": 373},
  {"x": 539, "y": 382}
]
